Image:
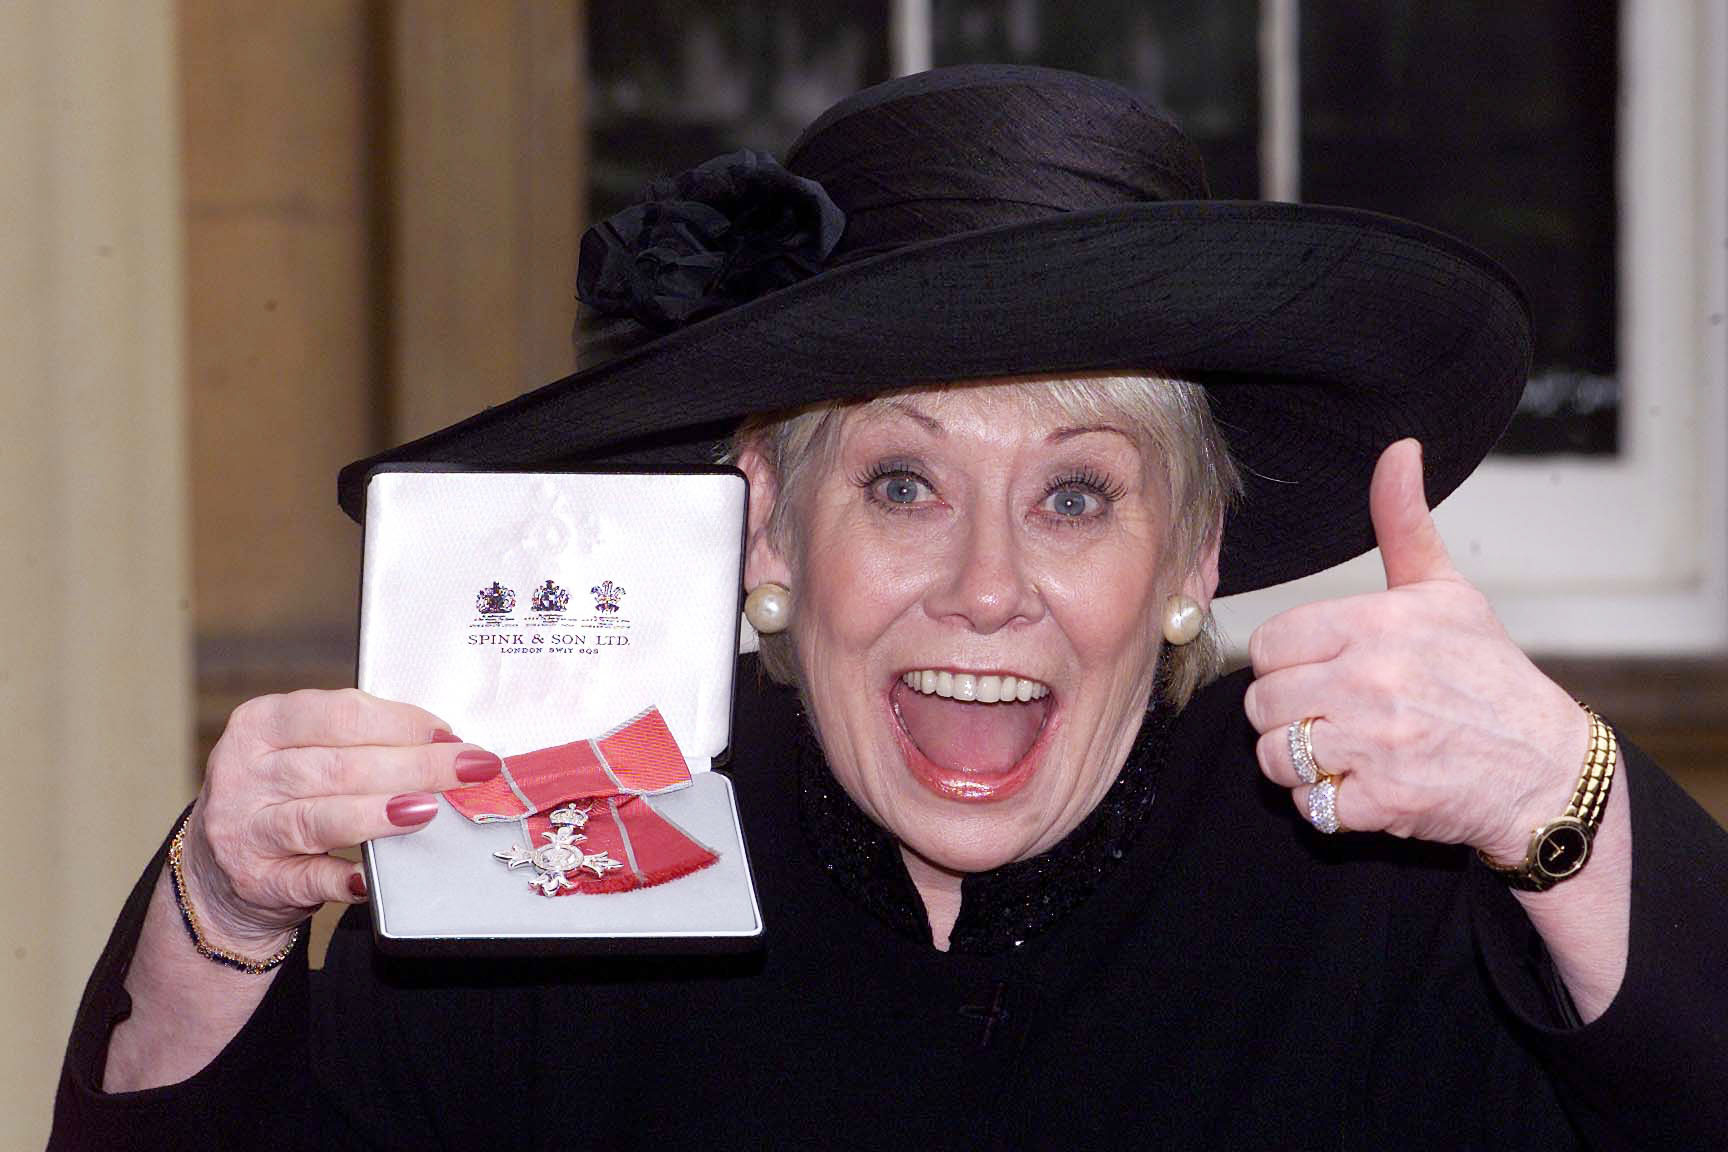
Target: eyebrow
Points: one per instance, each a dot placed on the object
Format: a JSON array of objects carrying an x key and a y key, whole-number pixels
[
  {"x": 905, "y": 408},
  {"x": 1062, "y": 435}
]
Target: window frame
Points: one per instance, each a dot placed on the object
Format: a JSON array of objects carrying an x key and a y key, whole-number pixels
[
  {"x": 1625, "y": 554},
  {"x": 1581, "y": 556}
]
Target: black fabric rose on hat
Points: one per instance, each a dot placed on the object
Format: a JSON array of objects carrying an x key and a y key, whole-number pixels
[{"x": 701, "y": 242}]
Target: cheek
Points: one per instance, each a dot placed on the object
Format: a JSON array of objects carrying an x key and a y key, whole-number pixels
[
  {"x": 1107, "y": 606},
  {"x": 854, "y": 587}
]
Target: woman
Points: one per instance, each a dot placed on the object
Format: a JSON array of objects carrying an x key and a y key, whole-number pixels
[{"x": 1000, "y": 375}]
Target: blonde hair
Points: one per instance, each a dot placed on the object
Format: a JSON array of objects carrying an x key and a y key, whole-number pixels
[{"x": 1175, "y": 427}]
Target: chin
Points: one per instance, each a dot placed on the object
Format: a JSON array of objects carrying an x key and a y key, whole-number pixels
[{"x": 963, "y": 851}]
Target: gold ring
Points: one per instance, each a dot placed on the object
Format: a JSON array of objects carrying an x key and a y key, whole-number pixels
[{"x": 1301, "y": 736}]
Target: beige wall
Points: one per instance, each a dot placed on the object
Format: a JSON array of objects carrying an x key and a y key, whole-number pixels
[
  {"x": 382, "y": 204},
  {"x": 278, "y": 300},
  {"x": 240, "y": 244},
  {"x": 95, "y": 676},
  {"x": 280, "y": 219},
  {"x": 485, "y": 188}
]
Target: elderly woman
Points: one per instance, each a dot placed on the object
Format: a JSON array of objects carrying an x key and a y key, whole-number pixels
[{"x": 1015, "y": 404}]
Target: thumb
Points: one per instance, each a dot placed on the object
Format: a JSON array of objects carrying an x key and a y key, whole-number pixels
[{"x": 1410, "y": 544}]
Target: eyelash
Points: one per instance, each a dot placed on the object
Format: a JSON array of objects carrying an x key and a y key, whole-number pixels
[
  {"x": 1094, "y": 484},
  {"x": 1097, "y": 483},
  {"x": 1086, "y": 478},
  {"x": 882, "y": 471}
]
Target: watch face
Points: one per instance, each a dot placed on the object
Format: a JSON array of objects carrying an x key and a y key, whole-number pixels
[{"x": 1562, "y": 850}]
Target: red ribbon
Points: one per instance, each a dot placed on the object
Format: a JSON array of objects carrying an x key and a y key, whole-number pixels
[{"x": 609, "y": 775}]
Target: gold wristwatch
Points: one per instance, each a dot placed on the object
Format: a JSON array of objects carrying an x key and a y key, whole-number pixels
[{"x": 1560, "y": 848}]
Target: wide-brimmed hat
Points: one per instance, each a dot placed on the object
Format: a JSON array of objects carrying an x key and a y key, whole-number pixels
[{"x": 987, "y": 221}]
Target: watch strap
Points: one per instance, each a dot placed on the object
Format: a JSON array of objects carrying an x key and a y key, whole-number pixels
[
  {"x": 1583, "y": 813},
  {"x": 1591, "y": 796}
]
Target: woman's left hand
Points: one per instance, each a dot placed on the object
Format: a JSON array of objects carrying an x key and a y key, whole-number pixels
[{"x": 1434, "y": 723}]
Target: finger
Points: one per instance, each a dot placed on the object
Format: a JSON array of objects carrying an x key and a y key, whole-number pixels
[
  {"x": 1307, "y": 634},
  {"x": 313, "y": 827},
  {"x": 1410, "y": 545},
  {"x": 1326, "y": 741},
  {"x": 1350, "y": 815},
  {"x": 311, "y": 772},
  {"x": 309, "y": 881},
  {"x": 1285, "y": 695},
  {"x": 343, "y": 718}
]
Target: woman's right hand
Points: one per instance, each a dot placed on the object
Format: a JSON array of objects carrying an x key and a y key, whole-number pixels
[{"x": 295, "y": 777}]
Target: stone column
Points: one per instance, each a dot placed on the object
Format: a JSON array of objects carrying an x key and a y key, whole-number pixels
[
  {"x": 486, "y": 187},
  {"x": 94, "y": 664}
]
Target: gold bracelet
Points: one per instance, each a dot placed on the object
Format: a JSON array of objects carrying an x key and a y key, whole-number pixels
[
  {"x": 1560, "y": 848},
  {"x": 1590, "y": 797},
  {"x": 190, "y": 918}
]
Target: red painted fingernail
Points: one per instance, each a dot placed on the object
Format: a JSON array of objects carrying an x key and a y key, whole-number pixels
[
  {"x": 357, "y": 885},
  {"x": 476, "y": 764},
  {"x": 411, "y": 808},
  {"x": 445, "y": 736}
]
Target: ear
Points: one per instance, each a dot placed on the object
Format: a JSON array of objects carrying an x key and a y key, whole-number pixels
[{"x": 763, "y": 562}]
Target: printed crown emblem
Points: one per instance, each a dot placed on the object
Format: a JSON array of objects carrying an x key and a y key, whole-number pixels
[
  {"x": 551, "y": 598},
  {"x": 495, "y": 600},
  {"x": 606, "y": 596}
]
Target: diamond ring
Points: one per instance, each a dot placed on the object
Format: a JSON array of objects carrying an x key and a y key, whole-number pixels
[
  {"x": 1323, "y": 804},
  {"x": 1302, "y": 750}
]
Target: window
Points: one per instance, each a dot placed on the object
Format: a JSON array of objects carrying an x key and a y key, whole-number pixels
[
  {"x": 677, "y": 82},
  {"x": 1495, "y": 123},
  {"x": 1582, "y": 143},
  {"x": 1619, "y": 542},
  {"x": 1196, "y": 59}
]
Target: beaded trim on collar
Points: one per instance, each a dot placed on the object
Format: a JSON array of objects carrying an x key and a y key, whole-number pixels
[{"x": 999, "y": 909}]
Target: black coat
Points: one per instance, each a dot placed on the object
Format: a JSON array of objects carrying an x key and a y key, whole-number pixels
[{"x": 1226, "y": 978}]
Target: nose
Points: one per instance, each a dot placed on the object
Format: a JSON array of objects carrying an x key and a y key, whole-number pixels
[{"x": 987, "y": 586}]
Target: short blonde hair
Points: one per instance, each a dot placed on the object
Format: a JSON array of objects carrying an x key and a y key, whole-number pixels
[{"x": 1174, "y": 424}]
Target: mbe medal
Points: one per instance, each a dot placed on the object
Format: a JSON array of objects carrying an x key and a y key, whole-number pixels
[{"x": 559, "y": 856}]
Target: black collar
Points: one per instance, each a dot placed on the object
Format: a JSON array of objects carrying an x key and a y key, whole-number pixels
[{"x": 999, "y": 909}]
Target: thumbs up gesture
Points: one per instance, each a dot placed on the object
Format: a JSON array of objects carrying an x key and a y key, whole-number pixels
[
  {"x": 1432, "y": 723},
  {"x": 1410, "y": 544}
]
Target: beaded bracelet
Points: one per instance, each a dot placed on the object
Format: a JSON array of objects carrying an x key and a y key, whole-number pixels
[{"x": 190, "y": 918}]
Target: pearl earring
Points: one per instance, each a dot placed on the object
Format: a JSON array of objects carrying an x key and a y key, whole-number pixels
[
  {"x": 769, "y": 608},
  {"x": 1182, "y": 619}
]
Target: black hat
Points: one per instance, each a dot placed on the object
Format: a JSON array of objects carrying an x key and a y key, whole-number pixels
[{"x": 987, "y": 221}]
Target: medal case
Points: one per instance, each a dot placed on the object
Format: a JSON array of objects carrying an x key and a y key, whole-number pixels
[{"x": 534, "y": 609}]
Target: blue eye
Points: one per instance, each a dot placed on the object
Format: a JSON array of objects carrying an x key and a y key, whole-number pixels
[
  {"x": 902, "y": 488},
  {"x": 1073, "y": 503}
]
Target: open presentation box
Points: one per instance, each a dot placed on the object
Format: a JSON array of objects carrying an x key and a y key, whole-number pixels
[{"x": 533, "y": 609}]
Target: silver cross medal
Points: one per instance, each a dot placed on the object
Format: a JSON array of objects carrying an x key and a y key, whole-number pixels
[{"x": 560, "y": 856}]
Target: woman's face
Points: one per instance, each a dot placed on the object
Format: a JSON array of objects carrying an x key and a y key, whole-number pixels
[{"x": 957, "y": 538}]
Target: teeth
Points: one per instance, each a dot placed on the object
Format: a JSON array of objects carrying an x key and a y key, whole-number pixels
[{"x": 967, "y": 686}]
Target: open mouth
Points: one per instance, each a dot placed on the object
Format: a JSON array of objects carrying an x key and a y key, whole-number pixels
[{"x": 971, "y": 736}]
